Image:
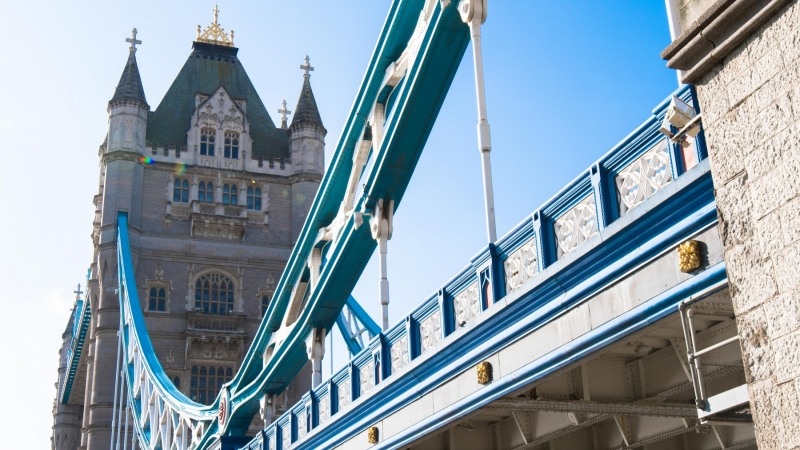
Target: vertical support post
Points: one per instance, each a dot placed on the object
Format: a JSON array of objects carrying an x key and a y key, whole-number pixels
[
  {"x": 381, "y": 227},
  {"x": 473, "y": 13},
  {"x": 315, "y": 346}
]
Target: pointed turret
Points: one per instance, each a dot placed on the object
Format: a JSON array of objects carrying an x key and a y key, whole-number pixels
[
  {"x": 306, "y": 113},
  {"x": 129, "y": 88}
]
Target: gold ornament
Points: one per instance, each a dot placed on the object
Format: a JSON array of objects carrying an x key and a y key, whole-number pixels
[
  {"x": 215, "y": 34},
  {"x": 484, "y": 372},
  {"x": 689, "y": 253},
  {"x": 372, "y": 435}
]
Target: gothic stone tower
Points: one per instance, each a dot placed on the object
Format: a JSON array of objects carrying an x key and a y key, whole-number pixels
[{"x": 215, "y": 195}]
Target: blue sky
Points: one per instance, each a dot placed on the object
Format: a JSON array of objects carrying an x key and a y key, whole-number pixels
[{"x": 565, "y": 81}]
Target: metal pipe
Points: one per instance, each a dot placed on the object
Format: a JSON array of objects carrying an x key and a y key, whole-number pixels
[
  {"x": 730, "y": 340},
  {"x": 473, "y": 12},
  {"x": 694, "y": 358}
]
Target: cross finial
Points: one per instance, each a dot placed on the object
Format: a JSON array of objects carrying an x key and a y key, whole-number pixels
[
  {"x": 78, "y": 292},
  {"x": 307, "y": 67},
  {"x": 283, "y": 112},
  {"x": 133, "y": 41},
  {"x": 216, "y": 13}
]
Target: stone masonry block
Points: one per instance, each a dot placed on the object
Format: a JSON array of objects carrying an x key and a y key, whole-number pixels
[
  {"x": 756, "y": 351},
  {"x": 787, "y": 269},
  {"x": 751, "y": 280},
  {"x": 790, "y": 221},
  {"x": 762, "y": 398},
  {"x": 787, "y": 414},
  {"x": 767, "y": 66},
  {"x": 773, "y": 190},
  {"x": 736, "y": 63},
  {"x": 713, "y": 98},
  {"x": 783, "y": 314},
  {"x": 740, "y": 87},
  {"x": 772, "y": 120},
  {"x": 787, "y": 357},
  {"x": 734, "y": 208},
  {"x": 770, "y": 235}
]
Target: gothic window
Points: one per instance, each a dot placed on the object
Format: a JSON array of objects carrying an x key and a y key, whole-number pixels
[
  {"x": 213, "y": 294},
  {"x": 254, "y": 198},
  {"x": 205, "y": 192},
  {"x": 208, "y": 137},
  {"x": 230, "y": 194},
  {"x": 157, "y": 299},
  {"x": 206, "y": 382},
  {"x": 231, "y": 145},
  {"x": 180, "y": 191}
]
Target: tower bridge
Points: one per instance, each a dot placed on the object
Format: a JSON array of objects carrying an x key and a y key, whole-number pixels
[{"x": 605, "y": 319}]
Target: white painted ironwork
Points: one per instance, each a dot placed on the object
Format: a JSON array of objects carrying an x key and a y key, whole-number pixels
[
  {"x": 521, "y": 266},
  {"x": 467, "y": 304},
  {"x": 399, "y": 354},
  {"x": 643, "y": 177},
  {"x": 576, "y": 226},
  {"x": 430, "y": 331}
]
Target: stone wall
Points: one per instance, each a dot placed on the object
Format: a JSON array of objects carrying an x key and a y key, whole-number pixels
[{"x": 751, "y": 114}]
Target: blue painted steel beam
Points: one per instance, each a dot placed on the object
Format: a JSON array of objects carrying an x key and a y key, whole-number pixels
[{"x": 363, "y": 318}]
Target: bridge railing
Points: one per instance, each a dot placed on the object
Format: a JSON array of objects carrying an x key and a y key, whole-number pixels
[{"x": 642, "y": 164}]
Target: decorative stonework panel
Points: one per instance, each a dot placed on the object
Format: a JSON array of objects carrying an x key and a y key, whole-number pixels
[
  {"x": 399, "y": 353},
  {"x": 343, "y": 394},
  {"x": 521, "y": 266},
  {"x": 365, "y": 377},
  {"x": 467, "y": 304},
  {"x": 324, "y": 406},
  {"x": 430, "y": 331},
  {"x": 643, "y": 177},
  {"x": 576, "y": 226}
]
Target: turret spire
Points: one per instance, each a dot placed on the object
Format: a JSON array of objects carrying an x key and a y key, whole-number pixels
[
  {"x": 129, "y": 88},
  {"x": 283, "y": 112},
  {"x": 306, "y": 112}
]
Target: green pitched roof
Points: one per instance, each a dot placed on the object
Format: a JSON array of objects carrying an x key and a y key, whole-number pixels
[{"x": 208, "y": 67}]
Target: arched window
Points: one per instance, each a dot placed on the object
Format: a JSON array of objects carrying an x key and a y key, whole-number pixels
[
  {"x": 205, "y": 192},
  {"x": 208, "y": 137},
  {"x": 180, "y": 191},
  {"x": 254, "y": 198},
  {"x": 206, "y": 382},
  {"x": 230, "y": 194},
  {"x": 158, "y": 299},
  {"x": 231, "y": 145},
  {"x": 213, "y": 294}
]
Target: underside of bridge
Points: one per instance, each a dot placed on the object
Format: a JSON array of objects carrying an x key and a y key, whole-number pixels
[{"x": 636, "y": 394}]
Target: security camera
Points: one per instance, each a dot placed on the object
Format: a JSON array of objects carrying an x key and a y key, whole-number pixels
[{"x": 679, "y": 114}]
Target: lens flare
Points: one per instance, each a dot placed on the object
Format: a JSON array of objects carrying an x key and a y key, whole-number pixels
[
  {"x": 145, "y": 160},
  {"x": 180, "y": 169}
]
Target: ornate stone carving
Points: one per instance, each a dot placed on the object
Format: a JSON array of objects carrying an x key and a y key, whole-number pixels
[
  {"x": 228, "y": 323},
  {"x": 372, "y": 435},
  {"x": 576, "y": 226},
  {"x": 521, "y": 265},
  {"x": 233, "y": 122},
  {"x": 430, "y": 331},
  {"x": 467, "y": 304},
  {"x": 689, "y": 254},
  {"x": 208, "y": 118},
  {"x": 484, "y": 372},
  {"x": 399, "y": 354},
  {"x": 199, "y": 348},
  {"x": 643, "y": 177}
]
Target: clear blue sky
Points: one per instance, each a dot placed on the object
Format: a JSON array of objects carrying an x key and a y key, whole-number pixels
[{"x": 565, "y": 81}]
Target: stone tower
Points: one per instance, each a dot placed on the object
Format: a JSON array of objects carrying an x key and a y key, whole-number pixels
[{"x": 215, "y": 195}]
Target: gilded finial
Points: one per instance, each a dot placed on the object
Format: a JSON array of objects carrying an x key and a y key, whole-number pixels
[{"x": 214, "y": 34}]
